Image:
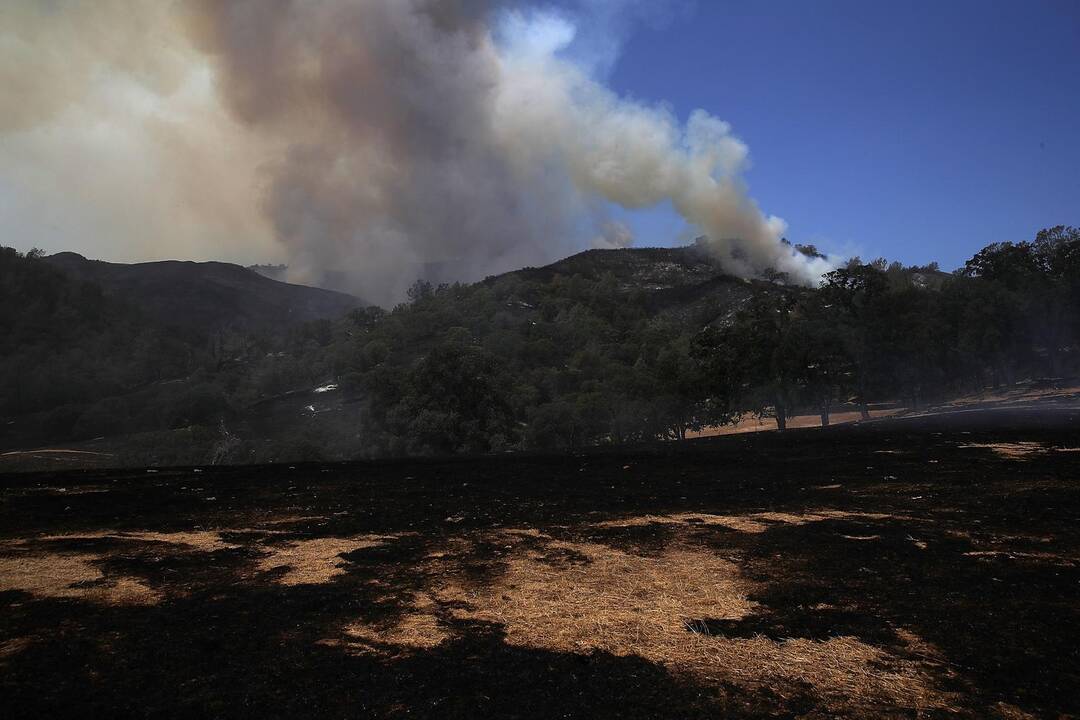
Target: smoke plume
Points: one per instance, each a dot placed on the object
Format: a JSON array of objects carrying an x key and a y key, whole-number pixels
[{"x": 380, "y": 140}]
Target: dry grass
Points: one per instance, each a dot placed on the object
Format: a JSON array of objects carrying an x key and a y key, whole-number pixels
[
  {"x": 751, "y": 523},
  {"x": 628, "y": 605},
  {"x": 293, "y": 519},
  {"x": 1012, "y": 451},
  {"x": 548, "y": 594},
  {"x": 1006, "y": 711},
  {"x": 1034, "y": 557},
  {"x": 739, "y": 523},
  {"x": 14, "y": 646},
  {"x": 611, "y": 601},
  {"x": 71, "y": 575},
  {"x": 26, "y": 566},
  {"x": 201, "y": 540},
  {"x": 751, "y": 424},
  {"x": 315, "y": 561},
  {"x": 419, "y": 629}
]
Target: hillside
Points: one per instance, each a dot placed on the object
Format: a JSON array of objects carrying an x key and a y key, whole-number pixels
[
  {"x": 684, "y": 283},
  {"x": 184, "y": 360},
  {"x": 90, "y": 349},
  {"x": 203, "y": 296},
  {"x": 174, "y": 362}
]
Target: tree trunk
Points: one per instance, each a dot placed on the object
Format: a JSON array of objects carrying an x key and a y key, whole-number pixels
[
  {"x": 781, "y": 418},
  {"x": 825, "y": 414},
  {"x": 864, "y": 410}
]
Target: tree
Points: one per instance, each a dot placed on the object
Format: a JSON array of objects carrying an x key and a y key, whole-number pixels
[
  {"x": 854, "y": 294},
  {"x": 1044, "y": 275},
  {"x": 824, "y": 367},
  {"x": 756, "y": 355}
]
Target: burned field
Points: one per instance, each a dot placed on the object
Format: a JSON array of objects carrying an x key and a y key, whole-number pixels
[{"x": 917, "y": 568}]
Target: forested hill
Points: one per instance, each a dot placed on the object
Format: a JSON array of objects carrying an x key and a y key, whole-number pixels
[
  {"x": 683, "y": 283},
  {"x": 205, "y": 296},
  {"x": 602, "y": 347},
  {"x": 90, "y": 348}
]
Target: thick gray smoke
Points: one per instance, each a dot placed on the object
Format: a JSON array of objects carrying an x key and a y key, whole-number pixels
[{"x": 378, "y": 139}]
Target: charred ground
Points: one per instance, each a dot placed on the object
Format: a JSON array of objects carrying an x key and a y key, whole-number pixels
[{"x": 921, "y": 567}]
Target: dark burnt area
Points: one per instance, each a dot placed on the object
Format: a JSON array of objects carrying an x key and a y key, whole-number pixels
[{"x": 227, "y": 641}]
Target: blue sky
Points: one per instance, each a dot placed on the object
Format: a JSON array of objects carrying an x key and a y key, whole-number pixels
[{"x": 917, "y": 131}]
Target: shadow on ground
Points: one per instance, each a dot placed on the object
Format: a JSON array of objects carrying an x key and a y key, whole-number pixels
[{"x": 922, "y": 544}]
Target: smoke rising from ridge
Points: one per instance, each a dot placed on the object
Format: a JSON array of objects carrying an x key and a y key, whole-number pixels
[{"x": 379, "y": 139}]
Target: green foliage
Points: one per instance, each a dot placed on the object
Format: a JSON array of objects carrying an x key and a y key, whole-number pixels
[{"x": 610, "y": 348}]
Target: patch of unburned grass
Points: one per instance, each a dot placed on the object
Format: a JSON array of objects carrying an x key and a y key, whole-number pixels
[
  {"x": 750, "y": 523},
  {"x": 314, "y": 561},
  {"x": 651, "y": 607},
  {"x": 14, "y": 646},
  {"x": 1012, "y": 450},
  {"x": 71, "y": 575},
  {"x": 418, "y": 629}
]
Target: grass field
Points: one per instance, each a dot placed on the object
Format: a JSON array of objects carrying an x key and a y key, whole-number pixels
[{"x": 922, "y": 567}]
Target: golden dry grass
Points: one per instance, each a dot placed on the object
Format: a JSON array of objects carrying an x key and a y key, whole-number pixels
[
  {"x": 201, "y": 540},
  {"x": 1007, "y": 711},
  {"x": 1033, "y": 557},
  {"x": 417, "y": 630},
  {"x": 1012, "y": 451},
  {"x": 740, "y": 523},
  {"x": 14, "y": 646},
  {"x": 603, "y": 599},
  {"x": 751, "y": 424},
  {"x": 750, "y": 523},
  {"x": 25, "y": 566},
  {"x": 314, "y": 561},
  {"x": 204, "y": 540},
  {"x": 70, "y": 575},
  {"x": 292, "y": 519},
  {"x": 550, "y": 594}
]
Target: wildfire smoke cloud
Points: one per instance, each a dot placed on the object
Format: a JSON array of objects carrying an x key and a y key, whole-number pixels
[{"x": 381, "y": 139}]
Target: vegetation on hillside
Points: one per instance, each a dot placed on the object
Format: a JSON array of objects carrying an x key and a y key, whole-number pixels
[{"x": 605, "y": 347}]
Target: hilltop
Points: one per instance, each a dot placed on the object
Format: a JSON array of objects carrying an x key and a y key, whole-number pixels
[{"x": 206, "y": 296}]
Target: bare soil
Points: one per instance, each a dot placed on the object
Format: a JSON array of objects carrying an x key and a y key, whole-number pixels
[{"x": 918, "y": 567}]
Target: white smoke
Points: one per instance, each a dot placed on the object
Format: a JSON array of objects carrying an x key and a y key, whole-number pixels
[
  {"x": 377, "y": 139},
  {"x": 613, "y": 235}
]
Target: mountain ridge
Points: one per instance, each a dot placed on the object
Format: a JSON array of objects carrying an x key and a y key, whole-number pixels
[{"x": 205, "y": 296}]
